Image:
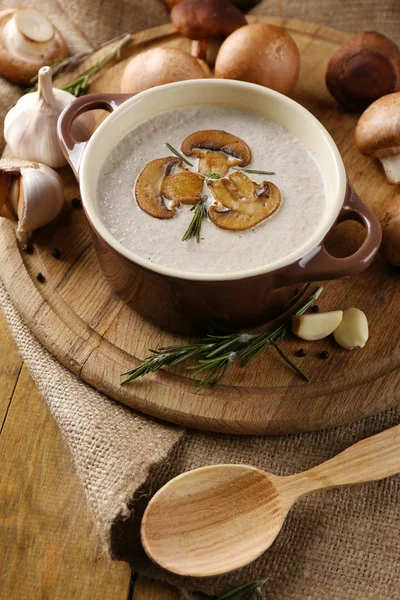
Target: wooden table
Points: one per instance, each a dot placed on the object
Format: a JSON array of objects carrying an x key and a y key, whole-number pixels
[{"x": 48, "y": 546}]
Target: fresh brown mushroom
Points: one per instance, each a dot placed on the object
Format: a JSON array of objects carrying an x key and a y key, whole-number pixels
[
  {"x": 149, "y": 186},
  {"x": 241, "y": 203},
  {"x": 365, "y": 68},
  {"x": 183, "y": 187},
  {"x": 378, "y": 134},
  {"x": 201, "y": 20},
  {"x": 158, "y": 66},
  {"x": 225, "y": 150},
  {"x": 260, "y": 53}
]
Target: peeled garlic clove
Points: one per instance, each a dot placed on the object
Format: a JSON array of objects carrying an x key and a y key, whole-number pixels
[
  {"x": 34, "y": 193},
  {"x": 30, "y": 127},
  {"x": 353, "y": 330},
  {"x": 316, "y": 326},
  {"x": 28, "y": 41}
]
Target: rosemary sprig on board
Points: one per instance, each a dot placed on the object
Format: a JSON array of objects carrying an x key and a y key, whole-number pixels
[
  {"x": 194, "y": 229},
  {"x": 178, "y": 154},
  {"x": 247, "y": 591},
  {"x": 215, "y": 353},
  {"x": 67, "y": 64}
]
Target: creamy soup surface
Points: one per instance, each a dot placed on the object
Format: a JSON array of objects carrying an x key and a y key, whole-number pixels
[{"x": 297, "y": 175}]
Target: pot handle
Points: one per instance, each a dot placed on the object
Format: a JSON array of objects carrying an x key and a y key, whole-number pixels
[
  {"x": 72, "y": 149},
  {"x": 319, "y": 265}
]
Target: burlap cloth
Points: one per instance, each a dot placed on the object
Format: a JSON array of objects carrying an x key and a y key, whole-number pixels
[{"x": 343, "y": 544}]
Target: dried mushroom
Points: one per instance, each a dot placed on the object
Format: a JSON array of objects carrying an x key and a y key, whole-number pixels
[
  {"x": 241, "y": 203},
  {"x": 149, "y": 188},
  {"x": 229, "y": 151},
  {"x": 184, "y": 187}
]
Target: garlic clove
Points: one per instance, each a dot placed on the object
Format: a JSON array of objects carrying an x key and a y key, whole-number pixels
[
  {"x": 28, "y": 41},
  {"x": 41, "y": 199},
  {"x": 5, "y": 208},
  {"x": 33, "y": 192},
  {"x": 316, "y": 326},
  {"x": 30, "y": 127},
  {"x": 13, "y": 195},
  {"x": 353, "y": 329}
]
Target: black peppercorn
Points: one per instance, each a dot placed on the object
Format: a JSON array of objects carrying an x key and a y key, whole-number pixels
[
  {"x": 28, "y": 248},
  {"x": 314, "y": 308},
  {"x": 56, "y": 253},
  {"x": 323, "y": 354},
  {"x": 301, "y": 353},
  {"x": 76, "y": 203},
  {"x": 40, "y": 278}
]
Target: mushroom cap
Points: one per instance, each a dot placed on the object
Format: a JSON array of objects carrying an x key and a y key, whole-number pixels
[
  {"x": 248, "y": 203},
  {"x": 22, "y": 56},
  {"x": 148, "y": 190},
  {"x": 202, "y": 19},
  {"x": 158, "y": 66},
  {"x": 260, "y": 53},
  {"x": 378, "y": 129},
  {"x": 219, "y": 141},
  {"x": 364, "y": 68}
]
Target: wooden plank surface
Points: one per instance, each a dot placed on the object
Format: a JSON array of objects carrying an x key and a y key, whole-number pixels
[{"x": 48, "y": 545}]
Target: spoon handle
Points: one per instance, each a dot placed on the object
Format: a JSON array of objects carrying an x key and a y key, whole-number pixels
[{"x": 374, "y": 458}]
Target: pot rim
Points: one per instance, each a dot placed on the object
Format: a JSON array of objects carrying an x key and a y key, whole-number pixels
[{"x": 287, "y": 260}]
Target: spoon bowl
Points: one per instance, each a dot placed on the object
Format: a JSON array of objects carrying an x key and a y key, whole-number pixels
[
  {"x": 219, "y": 518},
  {"x": 212, "y": 520}
]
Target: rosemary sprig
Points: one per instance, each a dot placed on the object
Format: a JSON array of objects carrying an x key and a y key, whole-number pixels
[
  {"x": 178, "y": 154},
  {"x": 194, "y": 229},
  {"x": 79, "y": 86},
  {"x": 215, "y": 353},
  {"x": 64, "y": 65},
  {"x": 256, "y": 171},
  {"x": 247, "y": 591}
]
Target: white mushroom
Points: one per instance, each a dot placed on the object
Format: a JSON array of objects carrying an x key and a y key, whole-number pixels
[
  {"x": 28, "y": 41},
  {"x": 378, "y": 134}
]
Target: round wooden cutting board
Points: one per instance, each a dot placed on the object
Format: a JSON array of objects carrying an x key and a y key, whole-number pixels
[{"x": 80, "y": 321}]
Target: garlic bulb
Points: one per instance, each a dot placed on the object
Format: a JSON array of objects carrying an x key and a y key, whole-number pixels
[
  {"x": 30, "y": 194},
  {"x": 30, "y": 127},
  {"x": 28, "y": 40}
]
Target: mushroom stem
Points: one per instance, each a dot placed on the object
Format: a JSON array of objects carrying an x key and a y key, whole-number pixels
[
  {"x": 391, "y": 164},
  {"x": 199, "y": 49}
]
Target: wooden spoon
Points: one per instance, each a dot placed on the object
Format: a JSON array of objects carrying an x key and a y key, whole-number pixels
[{"x": 219, "y": 518}]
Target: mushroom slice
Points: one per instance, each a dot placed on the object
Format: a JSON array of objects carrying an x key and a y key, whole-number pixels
[
  {"x": 184, "y": 187},
  {"x": 247, "y": 203},
  {"x": 211, "y": 163},
  {"x": 216, "y": 140},
  {"x": 378, "y": 134},
  {"x": 149, "y": 185}
]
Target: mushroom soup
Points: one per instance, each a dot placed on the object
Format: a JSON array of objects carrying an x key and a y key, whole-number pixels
[{"x": 147, "y": 196}]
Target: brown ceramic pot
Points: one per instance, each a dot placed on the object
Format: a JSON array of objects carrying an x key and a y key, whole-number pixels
[{"x": 186, "y": 302}]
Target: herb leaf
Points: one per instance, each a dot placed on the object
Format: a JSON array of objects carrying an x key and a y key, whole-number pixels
[
  {"x": 178, "y": 154},
  {"x": 247, "y": 591},
  {"x": 215, "y": 353},
  {"x": 194, "y": 229},
  {"x": 256, "y": 171}
]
